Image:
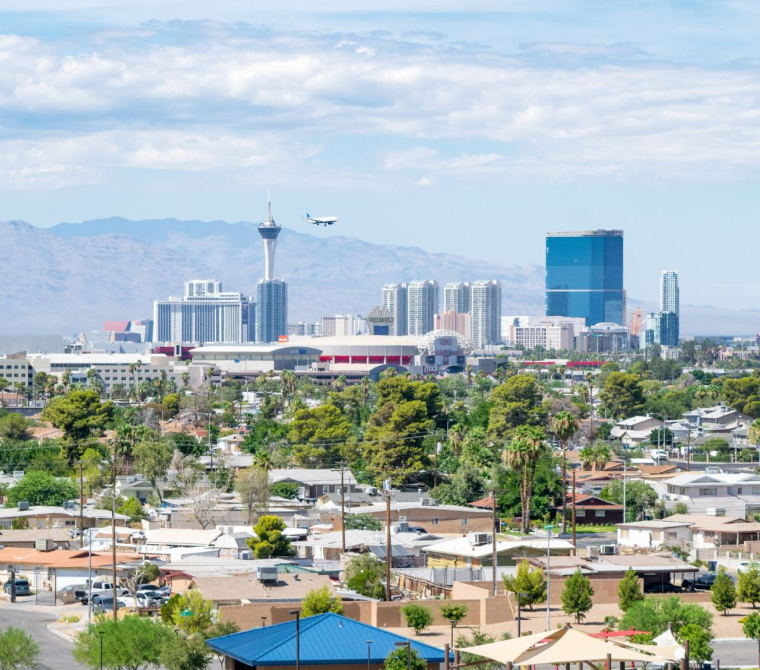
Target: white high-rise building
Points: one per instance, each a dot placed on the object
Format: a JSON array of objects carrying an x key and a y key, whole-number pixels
[
  {"x": 669, "y": 295},
  {"x": 424, "y": 298},
  {"x": 457, "y": 297},
  {"x": 486, "y": 313},
  {"x": 204, "y": 314},
  {"x": 396, "y": 301}
]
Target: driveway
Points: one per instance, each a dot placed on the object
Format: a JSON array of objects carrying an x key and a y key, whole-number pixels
[{"x": 34, "y": 619}]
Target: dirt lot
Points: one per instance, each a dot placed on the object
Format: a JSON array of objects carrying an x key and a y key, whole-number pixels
[{"x": 535, "y": 621}]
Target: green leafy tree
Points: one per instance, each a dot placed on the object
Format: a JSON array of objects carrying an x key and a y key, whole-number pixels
[
  {"x": 740, "y": 392},
  {"x": 13, "y": 426},
  {"x": 528, "y": 581},
  {"x": 517, "y": 402},
  {"x": 452, "y": 612},
  {"x": 318, "y": 435},
  {"x": 186, "y": 653},
  {"x": 699, "y": 643},
  {"x": 320, "y": 601},
  {"x": 194, "y": 614},
  {"x": 398, "y": 659},
  {"x": 749, "y": 585},
  {"x": 80, "y": 415},
  {"x": 153, "y": 457},
  {"x": 751, "y": 628},
  {"x": 367, "y": 584},
  {"x": 522, "y": 455},
  {"x": 269, "y": 540},
  {"x": 476, "y": 638},
  {"x": 18, "y": 650},
  {"x": 365, "y": 563},
  {"x": 287, "y": 490},
  {"x": 654, "y": 615},
  {"x": 221, "y": 629},
  {"x": 629, "y": 590},
  {"x": 418, "y": 617},
  {"x": 132, "y": 508},
  {"x": 576, "y": 596},
  {"x": 131, "y": 643},
  {"x": 547, "y": 490},
  {"x": 363, "y": 522},
  {"x": 41, "y": 488},
  {"x": 639, "y": 497},
  {"x": 723, "y": 593},
  {"x": 170, "y": 608},
  {"x": 187, "y": 445},
  {"x": 252, "y": 484},
  {"x": 622, "y": 395},
  {"x": 171, "y": 405}
]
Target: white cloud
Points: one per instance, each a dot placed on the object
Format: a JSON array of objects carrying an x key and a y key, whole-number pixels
[{"x": 225, "y": 95}]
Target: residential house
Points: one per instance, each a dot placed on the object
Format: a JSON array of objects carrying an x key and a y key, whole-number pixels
[
  {"x": 718, "y": 421},
  {"x": 428, "y": 514},
  {"x": 476, "y": 549},
  {"x": 716, "y": 494},
  {"x": 42, "y": 516},
  {"x": 593, "y": 510},
  {"x": 27, "y": 539},
  {"x": 314, "y": 483},
  {"x": 712, "y": 532},
  {"x": 653, "y": 534},
  {"x": 632, "y": 432}
]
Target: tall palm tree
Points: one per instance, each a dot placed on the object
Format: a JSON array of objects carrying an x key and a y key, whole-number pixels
[
  {"x": 66, "y": 380},
  {"x": 468, "y": 372},
  {"x": 602, "y": 456},
  {"x": 365, "y": 386},
  {"x": 262, "y": 459},
  {"x": 564, "y": 426},
  {"x": 587, "y": 457},
  {"x": 340, "y": 382},
  {"x": 185, "y": 380},
  {"x": 590, "y": 382},
  {"x": 22, "y": 392},
  {"x": 522, "y": 455}
]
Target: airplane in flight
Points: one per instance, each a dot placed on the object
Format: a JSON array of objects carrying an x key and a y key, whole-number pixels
[{"x": 319, "y": 220}]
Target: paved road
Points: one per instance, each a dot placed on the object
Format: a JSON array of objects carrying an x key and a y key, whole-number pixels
[
  {"x": 56, "y": 652},
  {"x": 733, "y": 653}
]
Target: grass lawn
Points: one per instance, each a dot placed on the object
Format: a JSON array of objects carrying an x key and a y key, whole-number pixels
[{"x": 591, "y": 528}]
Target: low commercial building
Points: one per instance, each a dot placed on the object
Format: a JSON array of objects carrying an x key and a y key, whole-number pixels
[{"x": 238, "y": 589}]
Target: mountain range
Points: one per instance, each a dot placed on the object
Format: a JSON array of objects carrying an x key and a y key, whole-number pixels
[{"x": 74, "y": 276}]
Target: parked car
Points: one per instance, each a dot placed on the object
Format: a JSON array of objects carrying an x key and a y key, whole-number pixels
[
  {"x": 417, "y": 529},
  {"x": 79, "y": 591},
  {"x": 667, "y": 587},
  {"x": 703, "y": 582},
  {"x": 154, "y": 590},
  {"x": 106, "y": 588},
  {"x": 104, "y": 605},
  {"x": 746, "y": 565},
  {"x": 22, "y": 587},
  {"x": 143, "y": 601}
]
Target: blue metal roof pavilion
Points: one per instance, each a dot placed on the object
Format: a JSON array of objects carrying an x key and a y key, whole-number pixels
[{"x": 325, "y": 639}]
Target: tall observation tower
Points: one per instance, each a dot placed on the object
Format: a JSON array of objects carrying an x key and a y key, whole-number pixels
[
  {"x": 271, "y": 293},
  {"x": 269, "y": 231}
]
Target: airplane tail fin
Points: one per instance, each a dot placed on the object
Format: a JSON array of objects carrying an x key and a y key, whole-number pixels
[{"x": 308, "y": 216}]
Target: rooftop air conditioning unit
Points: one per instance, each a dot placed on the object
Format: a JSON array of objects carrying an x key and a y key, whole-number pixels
[
  {"x": 372, "y": 490},
  {"x": 245, "y": 555},
  {"x": 715, "y": 511},
  {"x": 23, "y": 506},
  {"x": 18, "y": 474},
  {"x": 429, "y": 502},
  {"x": 43, "y": 545},
  {"x": 267, "y": 574},
  {"x": 477, "y": 539},
  {"x": 402, "y": 527},
  {"x": 608, "y": 549}
]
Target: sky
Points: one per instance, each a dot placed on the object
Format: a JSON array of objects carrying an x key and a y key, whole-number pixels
[{"x": 459, "y": 127}]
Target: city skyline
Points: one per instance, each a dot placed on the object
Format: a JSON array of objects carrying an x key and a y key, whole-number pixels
[{"x": 550, "y": 145}]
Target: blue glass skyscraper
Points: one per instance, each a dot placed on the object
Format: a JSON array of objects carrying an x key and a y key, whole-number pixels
[{"x": 584, "y": 276}]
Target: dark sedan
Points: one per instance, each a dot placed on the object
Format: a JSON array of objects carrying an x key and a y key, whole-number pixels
[
  {"x": 702, "y": 582},
  {"x": 667, "y": 587}
]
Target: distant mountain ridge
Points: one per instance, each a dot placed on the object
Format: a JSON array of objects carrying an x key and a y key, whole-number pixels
[{"x": 72, "y": 277}]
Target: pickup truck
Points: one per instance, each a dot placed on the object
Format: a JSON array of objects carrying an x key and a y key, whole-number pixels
[
  {"x": 104, "y": 590},
  {"x": 703, "y": 582}
]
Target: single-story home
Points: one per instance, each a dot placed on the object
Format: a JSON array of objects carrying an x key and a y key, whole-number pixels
[
  {"x": 238, "y": 589},
  {"x": 476, "y": 549}
]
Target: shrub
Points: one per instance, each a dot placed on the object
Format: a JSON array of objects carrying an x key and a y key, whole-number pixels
[
  {"x": 417, "y": 617},
  {"x": 452, "y": 612},
  {"x": 320, "y": 601}
]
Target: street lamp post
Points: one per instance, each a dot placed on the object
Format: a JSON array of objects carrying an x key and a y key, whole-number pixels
[
  {"x": 263, "y": 622},
  {"x": 548, "y": 530},
  {"x": 519, "y": 613},
  {"x": 369, "y": 644},
  {"x": 453, "y": 624},
  {"x": 408, "y": 645},
  {"x": 297, "y": 614}
]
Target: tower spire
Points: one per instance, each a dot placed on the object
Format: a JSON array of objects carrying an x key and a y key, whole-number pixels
[{"x": 269, "y": 203}]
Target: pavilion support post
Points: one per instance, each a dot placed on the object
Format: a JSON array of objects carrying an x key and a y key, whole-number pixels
[
  {"x": 456, "y": 658},
  {"x": 686, "y": 654},
  {"x": 622, "y": 665},
  {"x": 509, "y": 665},
  {"x": 608, "y": 666},
  {"x": 446, "y": 656}
]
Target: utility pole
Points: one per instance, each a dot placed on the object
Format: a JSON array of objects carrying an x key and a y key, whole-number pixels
[
  {"x": 81, "y": 505},
  {"x": 387, "y": 488},
  {"x": 435, "y": 456},
  {"x": 496, "y": 529},
  {"x": 342, "y": 505},
  {"x": 575, "y": 551},
  {"x": 113, "y": 531},
  {"x": 625, "y": 471},
  {"x": 688, "y": 445}
]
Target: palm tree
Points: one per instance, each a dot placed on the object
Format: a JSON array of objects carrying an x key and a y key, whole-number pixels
[
  {"x": 564, "y": 426},
  {"x": 602, "y": 456},
  {"x": 22, "y": 392},
  {"x": 587, "y": 456},
  {"x": 66, "y": 380},
  {"x": 51, "y": 384},
  {"x": 118, "y": 391},
  {"x": 590, "y": 382},
  {"x": 340, "y": 382},
  {"x": 262, "y": 459},
  {"x": 468, "y": 372},
  {"x": 288, "y": 379},
  {"x": 457, "y": 433},
  {"x": 366, "y": 385},
  {"x": 522, "y": 455},
  {"x": 185, "y": 380}
]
